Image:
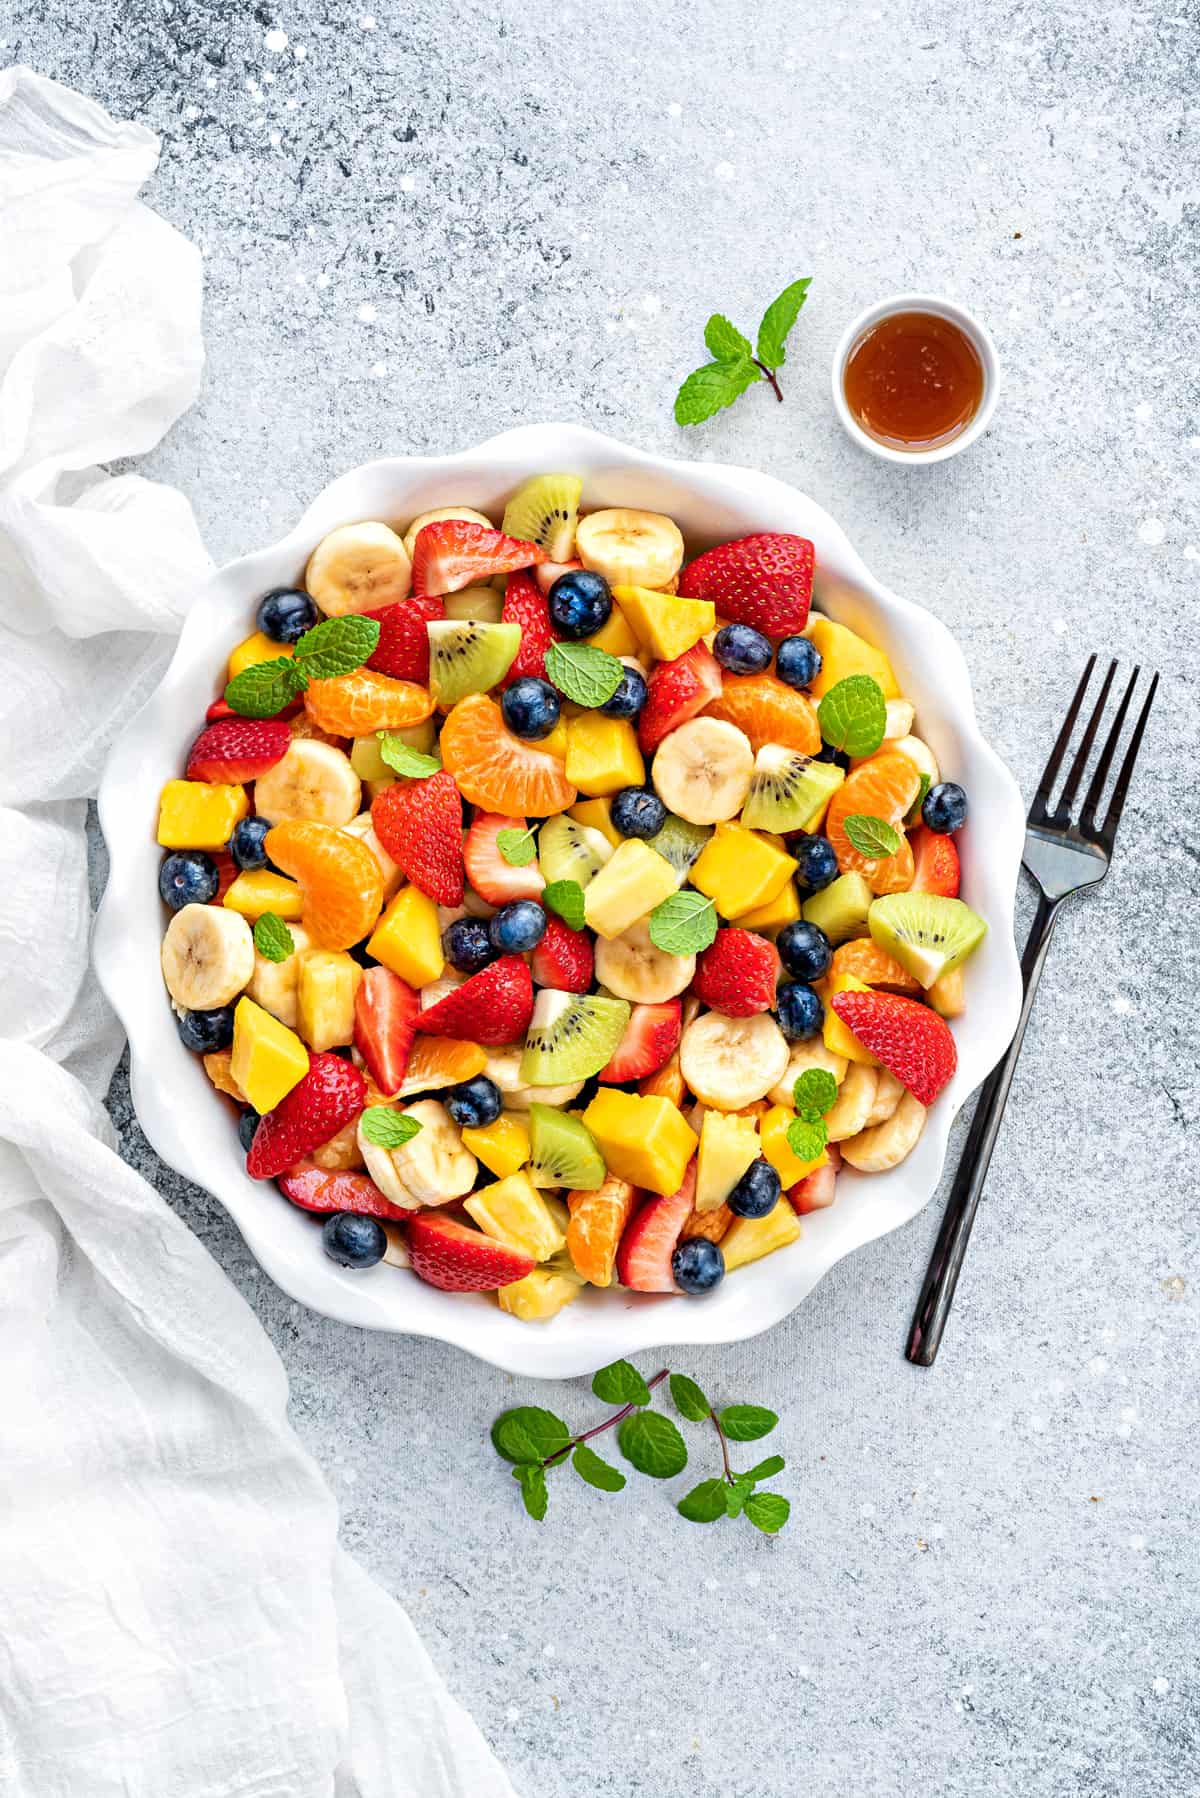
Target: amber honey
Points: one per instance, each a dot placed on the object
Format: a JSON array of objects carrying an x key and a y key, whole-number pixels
[{"x": 913, "y": 381}]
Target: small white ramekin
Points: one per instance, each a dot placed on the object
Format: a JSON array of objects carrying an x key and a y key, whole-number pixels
[{"x": 958, "y": 315}]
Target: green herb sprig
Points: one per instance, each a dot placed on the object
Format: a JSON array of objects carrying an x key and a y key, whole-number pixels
[
  {"x": 735, "y": 366},
  {"x": 335, "y": 647}
]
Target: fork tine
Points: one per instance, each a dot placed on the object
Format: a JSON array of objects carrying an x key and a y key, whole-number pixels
[
  {"x": 1091, "y": 805},
  {"x": 1050, "y": 773},
  {"x": 1062, "y": 811},
  {"x": 1117, "y": 803}
]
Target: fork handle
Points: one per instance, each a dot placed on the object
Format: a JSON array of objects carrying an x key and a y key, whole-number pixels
[{"x": 945, "y": 1264}]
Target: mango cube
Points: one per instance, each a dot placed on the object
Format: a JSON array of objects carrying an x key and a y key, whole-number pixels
[
  {"x": 616, "y": 636},
  {"x": 199, "y": 814},
  {"x": 750, "y": 1238},
  {"x": 646, "y": 1141},
  {"x": 597, "y": 813},
  {"x": 663, "y": 623},
  {"x": 783, "y": 909},
  {"x": 603, "y": 755},
  {"x": 262, "y": 890},
  {"x": 556, "y": 743},
  {"x": 513, "y": 1211},
  {"x": 776, "y": 1148},
  {"x": 540, "y": 1296},
  {"x": 502, "y": 1146},
  {"x": 407, "y": 938},
  {"x": 258, "y": 648},
  {"x": 268, "y": 1059},
  {"x": 728, "y": 1145},
  {"x": 740, "y": 870},
  {"x": 843, "y": 652},
  {"x": 629, "y": 885},
  {"x": 839, "y": 1038},
  {"x": 326, "y": 985}
]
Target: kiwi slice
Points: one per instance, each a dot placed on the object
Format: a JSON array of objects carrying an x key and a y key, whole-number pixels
[
  {"x": 571, "y": 1036},
  {"x": 571, "y": 851},
  {"x": 789, "y": 791},
  {"x": 469, "y": 657},
  {"x": 928, "y": 934},
  {"x": 483, "y": 604},
  {"x": 544, "y": 510},
  {"x": 680, "y": 843},
  {"x": 841, "y": 908},
  {"x": 562, "y": 1151}
]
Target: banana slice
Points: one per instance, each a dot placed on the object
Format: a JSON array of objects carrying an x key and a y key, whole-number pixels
[
  {"x": 273, "y": 984},
  {"x": 393, "y": 876},
  {"x": 812, "y": 1054},
  {"x": 313, "y": 780},
  {"x": 632, "y": 967},
  {"x": 357, "y": 568},
  {"x": 885, "y": 1145},
  {"x": 434, "y": 1165},
  {"x": 438, "y": 516},
  {"x": 207, "y": 956},
  {"x": 918, "y": 752},
  {"x": 888, "y": 1093},
  {"x": 380, "y": 1166},
  {"x": 630, "y": 548},
  {"x": 504, "y": 1070},
  {"x": 731, "y": 1062},
  {"x": 702, "y": 770},
  {"x": 900, "y": 715},
  {"x": 856, "y": 1096}
]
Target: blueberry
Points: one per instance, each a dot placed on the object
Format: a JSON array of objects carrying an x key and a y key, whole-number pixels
[
  {"x": 827, "y": 753},
  {"x": 797, "y": 661},
  {"x": 205, "y": 1031},
  {"x": 517, "y": 927},
  {"x": 246, "y": 845},
  {"x": 580, "y": 603},
  {"x": 804, "y": 950},
  {"x": 638, "y": 812},
  {"x": 741, "y": 649},
  {"x": 629, "y": 697},
  {"x": 247, "y": 1124},
  {"x": 756, "y": 1192},
  {"x": 353, "y": 1240},
  {"x": 285, "y": 614},
  {"x": 467, "y": 945},
  {"x": 945, "y": 808},
  {"x": 799, "y": 1010},
  {"x": 530, "y": 707},
  {"x": 816, "y": 863},
  {"x": 475, "y": 1103},
  {"x": 697, "y": 1264},
  {"x": 189, "y": 877}
]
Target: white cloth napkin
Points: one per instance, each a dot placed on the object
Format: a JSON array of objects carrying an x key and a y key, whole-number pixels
[{"x": 176, "y": 1618}]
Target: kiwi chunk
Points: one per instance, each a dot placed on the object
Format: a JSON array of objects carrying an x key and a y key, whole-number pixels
[
  {"x": 789, "y": 791},
  {"x": 680, "y": 843},
  {"x": 466, "y": 656},
  {"x": 928, "y": 934},
  {"x": 544, "y": 510},
  {"x": 571, "y": 1036},
  {"x": 571, "y": 851},
  {"x": 841, "y": 908},
  {"x": 563, "y": 1151},
  {"x": 484, "y": 604}
]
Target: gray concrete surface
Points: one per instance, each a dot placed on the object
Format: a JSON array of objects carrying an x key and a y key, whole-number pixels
[{"x": 424, "y": 225}]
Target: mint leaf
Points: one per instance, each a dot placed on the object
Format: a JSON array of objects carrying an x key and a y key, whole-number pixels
[
  {"x": 872, "y": 837},
  {"x": 704, "y": 1503},
  {"x": 403, "y": 759},
  {"x": 516, "y": 846},
  {"x": 595, "y": 1471},
  {"x": 768, "y": 1512},
  {"x": 588, "y": 675},
  {"x": 777, "y": 322},
  {"x": 265, "y": 687},
  {"x": 724, "y": 342},
  {"x": 386, "y": 1128},
  {"x": 653, "y": 1444},
  {"x": 272, "y": 938},
  {"x": 737, "y": 1494},
  {"x": 914, "y": 816},
  {"x": 566, "y": 898},
  {"x": 337, "y": 646},
  {"x": 806, "y": 1138},
  {"x": 690, "y": 1402},
  {"x": 529, "y": 1434},
  {"x": 814, "y": 1093},
  {"x": 534, "y": 1495},
  {"x": 621, "y": 1384},
  {"x": 709, "y": 389},
  {"x": 683, "y": 924},
  {"x": 766, "y": 1469},
  {"x": 853, "y": 715},
  {"x": 746, "y": 1423}
]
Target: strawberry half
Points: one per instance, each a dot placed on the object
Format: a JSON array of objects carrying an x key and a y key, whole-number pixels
[
  {"x": 330, "y": 1094},
  {"x": 403, "y": 647},
  {"x": 909, "y": 1039},
  {"x": 386, "y": 1010},
  {"x": 525, "y": 604},
  {"x": 219, "y": 709},
  {"x": 492, "y": 877},
  {"x": 450, "y": 1256},
  {"x": 564, "y": 958},
  {"x": 234, "y": 750},
  {"x": 419, "y": 823},
  {"x": 676, "y": 692},
  {"x": 316, "y": 1189},
  {"x": 819, "y": 1189},
  {"x": 765, "y": 581},
  {"x": 454, "y": 553},
  {"x": 492, "y": 1007},
  {"x": 648, "y": 1242},
  {"x": 651, "y": 1038},
  {"x": 736, "y": 974},
  {"x": 935, "y": 860}
]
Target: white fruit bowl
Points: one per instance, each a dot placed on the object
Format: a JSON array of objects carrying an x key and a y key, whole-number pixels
[{"x": 191, "y": 1126}]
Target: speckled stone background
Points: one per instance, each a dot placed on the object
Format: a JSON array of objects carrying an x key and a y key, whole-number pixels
[{"x": 428, "y": 224}]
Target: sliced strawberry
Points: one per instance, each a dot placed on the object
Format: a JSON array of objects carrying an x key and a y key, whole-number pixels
[
  {"x": 564, "y": 958},
  {"x": 316, "y": 1189},
  {"x": 219, "y": 709},
  {"x": 234, "y": 750},
  {"x": 909, "y": 1039},
  {"x": 454, "y": 553},
  {"x": 457, "y": 1259},
  {"x": 677, "y": 691},
  {"x": 818, "y": 1189},
  {"x": 492, "y": 877},
  {"x": 651, "y": 1038},
  {"x": 403, "y": 647},
  {"x": 546, "y": 573},
  {"x": 644, "y": 1257},
  {"x": 419, "y": 823},
  {"x": 525, "y": 604},
  {"x": 736, "y": 974},
  {"x": 330, "y": 1094},
  {"x": 492, "y": 1007},
  {"x": 386, "y": 1010},
  {"x": 936, "y": 862},
  {"x": 765, "y": 581}
]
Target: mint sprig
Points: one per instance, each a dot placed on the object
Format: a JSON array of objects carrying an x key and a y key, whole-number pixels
[
  {"x": 566, "y": 898},
  {"x": 516, "y": 847},
  {"x": 814, "y": 1093},
  {"x": 853, "y": 715},
  {"x": 265, "y": 687},
  {"x": 735, "y": 366},
  {"x": 683, "y": 924},
  {"x": 873, "y": 837},
  {"x": 403, "y": 759},
  {"x": 272, "y": 938},
  {"x": 586, "y": 674},
  {"x": 386, "y": 1128},
  {"x": 330, "y": 649}
]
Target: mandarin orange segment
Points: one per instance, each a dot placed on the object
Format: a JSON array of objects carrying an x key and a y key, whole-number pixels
[
  {"x": 768, "y": 711},
  {"x": 883, "y": 787},
  {"x": 356, "y": 704},
  {"x": 339, "y": 876},
  {"x": 597, "y": 1221},
  {"x": 496, "y": 770},
  {"x": 865, "y": 960},
  {"x": 444, "y": 1060}
]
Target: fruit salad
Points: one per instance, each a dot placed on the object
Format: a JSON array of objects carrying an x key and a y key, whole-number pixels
[{"x": 557, "y": 910}]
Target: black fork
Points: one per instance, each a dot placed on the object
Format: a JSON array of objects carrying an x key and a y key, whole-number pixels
[{"x": 1063, "y": 857}]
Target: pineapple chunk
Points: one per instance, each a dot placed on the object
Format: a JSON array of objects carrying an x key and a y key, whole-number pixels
[
  {"x": 268, "y": 1059},
  {"x": 603, "y": 755},
  {"x": 502, "y": 1146},
  {"x": 646, "y": 1141},
  {"x": 540, "y": 1296},
  {"x": 258, "y": 648},
  {"x": 779, "y": 1152},
  {"x": 728, "y": 1145},
  {"x": 665, "y": 624},
  {"x": 326, "y": 986},
  {"x": 741, "y": 870},
  {"x": 263, "y": 890},
  {"x": 629, "y": 885},
  {"x": 516, "y": 1213},
  {"x": 839, "y": 1039},
  {"x": 273, "y": 984},
  {"x": 946, "y": 994},
  {"x": 750, "y": 1238},
  {"x": 408, "y": 939},
  {"x": 199, "y": 814}
]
